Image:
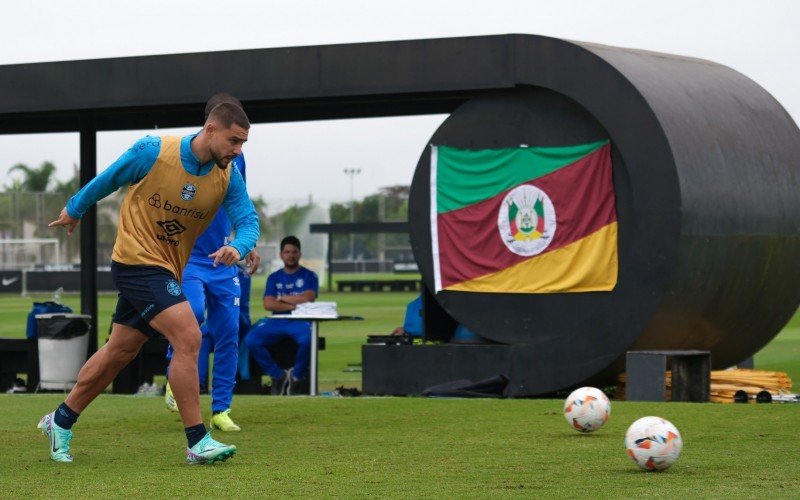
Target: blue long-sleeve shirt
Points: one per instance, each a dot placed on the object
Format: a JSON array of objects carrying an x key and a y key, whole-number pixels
[{"x": 136, "y": 163}]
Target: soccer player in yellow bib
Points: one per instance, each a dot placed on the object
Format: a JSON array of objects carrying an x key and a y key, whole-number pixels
[{"x": 175, "y": 187}]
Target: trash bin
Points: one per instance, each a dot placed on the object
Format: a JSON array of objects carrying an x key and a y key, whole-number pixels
[{"x": 63, "y": 341}]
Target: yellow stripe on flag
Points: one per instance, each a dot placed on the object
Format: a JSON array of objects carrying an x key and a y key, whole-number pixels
[{"x": 586, "y": 265}]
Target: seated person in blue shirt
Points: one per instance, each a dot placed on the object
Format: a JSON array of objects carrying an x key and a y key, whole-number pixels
[
  {"x": 287, "y": 287},
  {"x": 412, "y": 325}
]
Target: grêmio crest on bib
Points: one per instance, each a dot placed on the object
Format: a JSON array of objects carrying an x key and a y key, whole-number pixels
[{"x": 188, "y": 192}]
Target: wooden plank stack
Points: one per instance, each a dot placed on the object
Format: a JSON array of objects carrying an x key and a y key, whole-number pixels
[{"x": 725, "y": 383}]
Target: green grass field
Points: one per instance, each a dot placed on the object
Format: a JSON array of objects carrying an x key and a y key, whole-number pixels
[
  {"x": 398, "y": 448},
  {"x": 395, "y": 447}
]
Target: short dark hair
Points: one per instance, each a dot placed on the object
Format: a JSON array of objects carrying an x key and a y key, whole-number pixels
[
  {"x": 290, "y": 240},
  {"x": 218, "y": 99},
  {"x": 228, "y": 113}
]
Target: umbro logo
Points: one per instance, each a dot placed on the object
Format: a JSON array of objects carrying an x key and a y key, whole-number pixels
[{"x": 171, "y": 227}]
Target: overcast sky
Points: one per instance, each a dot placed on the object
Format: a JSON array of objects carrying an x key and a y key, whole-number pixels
[{"x": 288, "y": 162}]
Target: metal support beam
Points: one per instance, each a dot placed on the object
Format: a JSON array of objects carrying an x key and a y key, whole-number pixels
[
  {"x": 330, "y": 262},
  {"x": 352, "y": 228},
  {"x": 360, "y": 227},
  {"x": 88, "y": 227}
]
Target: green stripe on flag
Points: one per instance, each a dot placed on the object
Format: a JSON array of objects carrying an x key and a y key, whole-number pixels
[{"x": 467, "y": 176}]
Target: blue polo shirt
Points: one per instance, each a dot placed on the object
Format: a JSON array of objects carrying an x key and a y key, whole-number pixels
[{"x": 282, "y": 283}]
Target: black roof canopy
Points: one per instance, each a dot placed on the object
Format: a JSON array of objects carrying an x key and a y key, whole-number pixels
[{"x": 279, "y": 84}]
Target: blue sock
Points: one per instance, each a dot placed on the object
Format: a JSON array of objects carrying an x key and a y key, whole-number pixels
[
  {"x": 195, "y": 433},
  {"x": 65, "y": 416}
]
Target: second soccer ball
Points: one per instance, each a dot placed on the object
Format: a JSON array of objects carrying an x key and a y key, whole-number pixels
[{"x": 587, "y": 409}]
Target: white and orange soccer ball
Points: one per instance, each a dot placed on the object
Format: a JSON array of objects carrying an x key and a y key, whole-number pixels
[
  {"x": 587, "y": 409},
  {"x": 653, "y": 443}
]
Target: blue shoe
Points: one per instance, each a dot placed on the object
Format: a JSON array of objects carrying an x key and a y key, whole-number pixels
[
  {"x": 59, "y": 438},
  {"x": 208, "y": 451}
]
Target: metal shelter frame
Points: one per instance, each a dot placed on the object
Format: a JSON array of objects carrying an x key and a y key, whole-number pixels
[
  {"x": 353, "y": 228},
  {"x": 275, "y": 85}
]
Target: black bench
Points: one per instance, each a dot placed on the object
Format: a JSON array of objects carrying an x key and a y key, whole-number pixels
[
  {"x": 22, "y": 356},
  {"x": 377, "y": 285},
  {"x": 646, "y": 375},
  {"x": 19, "y": 356}
]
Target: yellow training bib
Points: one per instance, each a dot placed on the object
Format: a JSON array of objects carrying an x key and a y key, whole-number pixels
[{"x": 164, "y": 213}]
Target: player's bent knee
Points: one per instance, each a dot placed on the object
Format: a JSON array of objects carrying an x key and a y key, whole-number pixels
[{"x": 185, "y": 344}]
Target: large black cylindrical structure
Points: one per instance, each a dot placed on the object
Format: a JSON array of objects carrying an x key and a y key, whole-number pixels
[{"x": 705, "y": 169}]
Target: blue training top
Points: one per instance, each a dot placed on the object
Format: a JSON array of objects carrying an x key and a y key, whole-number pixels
[
  {"x": 136, "y": 163},
  {"x": 282, "y": 283},
  {"x": 218, "y": 232},
  {"x": 412, "y": 324}
]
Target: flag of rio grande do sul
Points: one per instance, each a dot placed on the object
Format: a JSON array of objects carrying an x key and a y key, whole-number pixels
[{"x": 524, "y": 220}]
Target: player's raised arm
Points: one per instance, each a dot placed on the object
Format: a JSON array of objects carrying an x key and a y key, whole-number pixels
[
  {"x": 64, "y": 219},
  {"x": 129, "y": 168},
  {"x": 227, "y": 255}
]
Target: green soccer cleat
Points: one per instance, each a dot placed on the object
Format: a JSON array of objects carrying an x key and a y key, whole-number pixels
[
  {"x": 169, "y": 399},
  {"x": 223, "y": 422},
  {"x": 208, "y": 451},
  {"x": 59, "y": 438}
]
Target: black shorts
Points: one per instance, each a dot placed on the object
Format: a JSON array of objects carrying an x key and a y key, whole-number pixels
[{"x": 144, "y": 291}]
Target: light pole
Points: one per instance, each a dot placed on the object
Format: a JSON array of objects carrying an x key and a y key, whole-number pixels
[{"x": 352, "y": 172}]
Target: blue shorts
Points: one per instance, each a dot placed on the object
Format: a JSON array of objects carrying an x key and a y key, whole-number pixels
[{"x": 144, "y": 291}]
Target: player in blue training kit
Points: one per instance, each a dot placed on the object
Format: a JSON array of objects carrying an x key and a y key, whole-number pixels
[
  {"x": 287, "y": 287},
  {"x": 245, "y": 280},
  {"x": 175, "y": 186},
  {"x": 215, "y": 295}
]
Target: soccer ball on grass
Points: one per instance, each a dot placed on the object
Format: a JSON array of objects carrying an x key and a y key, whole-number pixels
[
  {"x": 587, "y": 409},
  {"x": 653, "y": 443}
]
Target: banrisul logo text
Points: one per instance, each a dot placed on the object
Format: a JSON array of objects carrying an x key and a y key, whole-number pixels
[
  {"x": 526, "y": 220},
  {"x": 156, "y": 201}
]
